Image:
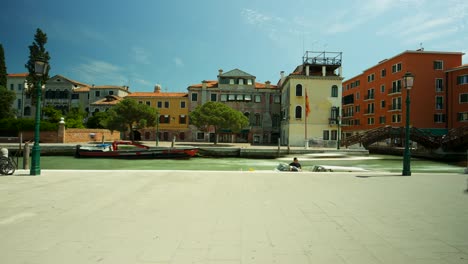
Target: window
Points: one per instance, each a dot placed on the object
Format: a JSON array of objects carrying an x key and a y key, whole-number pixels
[
  {"x": 396, "y": 118},
  {"x": 438, "y": 65},
  {"x": 396, "y": 103},
  {"x": 462, "y": 79},
  {"x": 326, "y": 135},
  {"x": 200, "y": 135},
  {"x": 27, "y": 111},
  {"x": 439, "y": 85},
  {"x": 258, "y": 99},
  {"x": 370, "y": 94},
  {"x": 464, "y": 98},
  {"x": 396, "y": 67},
  {"x": 12, "y": 87},
  {"x": 371, "y": 77},
  {"x": 334, "y": 91},
  {"x": 182, "y": 104},
  {"x": 19, "y": 105},
  {"x": 249, "y": 81},
  {"x": 382, "y": 104},
  {"x": 75, "y": 96},
  {"x": 140, "y": 102},
  {"x": 159, "y": 104},
  {"x": 97, "y": 93},
  {"x": 182, "y": 119},
  {"x": 248, "y": 97},
  {"x": 276, "y": 99},
  {"x": 370, "y": 121},
  {"x": 194, "y": 97},
  {"x": 214, "y": 97},
  {"x": 439, "y": 102},
  {"x": 223, "y": 98},
  {"x": 382, "y": 88},
  {"x": 370, "y": 108},
  {"x": 462, "y": 116},
  {"x": 358, "y": 108},
  {"x": 240, "y": 97},
  {"x": 148, "y": 103},
  {"x": 299, "y": 90},
  {"x": 111, "y": 92},
  {"x": 357, "y": 96},
  {"x": 164, "y": 119},
  {"x": 382, "y": 120},
  {"x": 231, "y": 81},
  {"x": 258, "y": 119},
  {"x": 276, "y": 121},
  {"x": 383, "y": 73},
  {"x": 439, "y": 118},
  {"x": 334, "y": 134},
  {"x": 231, "y": 97},
  {"x": 20, "y": 86},
  {"x": 298, "y": 112},
  {"x": 166, "y": 104},
  {"x": 241, "y": 81},
  {"x": 396, "y": 86}
]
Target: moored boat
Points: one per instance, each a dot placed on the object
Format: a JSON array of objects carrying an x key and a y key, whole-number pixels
[{"x": 135, "y": 151}]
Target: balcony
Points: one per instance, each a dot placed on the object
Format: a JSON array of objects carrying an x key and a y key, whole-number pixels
[{"x": 394, "y": 107}]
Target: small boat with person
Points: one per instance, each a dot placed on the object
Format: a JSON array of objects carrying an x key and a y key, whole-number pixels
[{"x": 133, "y": 150}]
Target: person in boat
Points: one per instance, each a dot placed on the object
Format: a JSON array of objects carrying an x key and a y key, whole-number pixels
[{"x": 295, "y": 165}]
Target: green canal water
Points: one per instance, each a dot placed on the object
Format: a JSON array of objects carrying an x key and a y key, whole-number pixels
[{"x": 373, "y": 162}]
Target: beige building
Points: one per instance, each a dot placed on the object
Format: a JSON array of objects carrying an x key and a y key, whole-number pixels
[
  {"x": 172, "y": 115},
  {"x": 316, "y": 85},
  {"x": 16, "y": 82},
  {"x": 103, "y": 97},
  {"x": 259, "y": 102}
]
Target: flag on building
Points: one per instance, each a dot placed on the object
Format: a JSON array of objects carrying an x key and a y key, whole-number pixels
[{"x": 307, "y": 107}]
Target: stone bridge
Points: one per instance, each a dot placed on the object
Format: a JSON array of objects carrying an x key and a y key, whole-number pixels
[{"x": 455, "y": 140}]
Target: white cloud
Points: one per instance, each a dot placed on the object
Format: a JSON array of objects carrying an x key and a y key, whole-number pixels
[
  {"x": 140, "y": 55},
  {"x": 178, "y": 62},
  {"x": 100, "y": 73},
  {"x": 254, "y": 17}
]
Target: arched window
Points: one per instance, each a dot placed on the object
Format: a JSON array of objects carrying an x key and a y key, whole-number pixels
[
  {"x": 299, "y": 90},
  {"x": 334, "y": 91},
  {"x": 65, "y": 94},
  {"x": 258, "y": 119},
  {"x": 298, "y": 112},
  {"x": 27, "y": 111},
  {"x": 48, "y": 94}
]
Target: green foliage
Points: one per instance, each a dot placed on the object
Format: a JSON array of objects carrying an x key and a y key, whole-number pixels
[
  {"x": 53, "y": 115},
  {"x": 3, "y": 69},
  {"x": 24, "y": 124},
  {"x": 37, "y": 51},
  {"x": 97, "y": 120},
  {"x": 218, "y": 115},
  {"x": 75, "y": 117},
  {"x": 7, "y": 98},
  {"x": 129, "y": 113}
]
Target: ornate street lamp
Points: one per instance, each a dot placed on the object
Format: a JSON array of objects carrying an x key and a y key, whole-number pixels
[
  {"x": 40, "y": 69},
  {"x": 408, "y": 80}
]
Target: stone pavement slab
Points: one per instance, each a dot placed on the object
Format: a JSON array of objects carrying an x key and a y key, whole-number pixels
[{"x": 232, "y": 217}]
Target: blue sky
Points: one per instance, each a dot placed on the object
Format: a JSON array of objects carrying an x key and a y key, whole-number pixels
[{"x": 177, "y": 43}]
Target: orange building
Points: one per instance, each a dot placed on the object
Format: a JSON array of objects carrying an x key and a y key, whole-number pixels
[
  {"x": 377, "y": 97},
  {"x": 457, "y": 111},
  {"x": 172, "y": 112}
]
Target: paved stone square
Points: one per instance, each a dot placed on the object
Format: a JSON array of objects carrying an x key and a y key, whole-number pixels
[{"x": 232, "y": 217}]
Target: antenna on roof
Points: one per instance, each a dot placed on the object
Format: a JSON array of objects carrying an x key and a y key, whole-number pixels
[{"x": 421, "y": 48}]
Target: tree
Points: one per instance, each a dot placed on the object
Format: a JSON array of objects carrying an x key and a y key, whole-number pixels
[
  {"x": 3, "y": 69},
  {"x": 219, "y": 116},
  {"x": 97, "y": 120},
  {"x": 7, "y": 97},
  {"x": 37, "y": 51},
  {"x": 53, "y": 115},
  {"x": 128, "y": 114},
  {"x": 75, "y": 117}
]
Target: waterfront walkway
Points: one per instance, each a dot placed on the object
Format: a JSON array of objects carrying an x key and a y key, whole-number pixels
[{"x": 232, "y": 217}]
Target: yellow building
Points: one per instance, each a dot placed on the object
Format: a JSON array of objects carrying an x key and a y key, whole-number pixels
[
  {"x": 172, "y": 112},
  {"x": 316, "y": 85}
]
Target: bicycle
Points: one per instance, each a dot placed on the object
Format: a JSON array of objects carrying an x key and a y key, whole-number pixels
[{"x": 7, "y": 166}]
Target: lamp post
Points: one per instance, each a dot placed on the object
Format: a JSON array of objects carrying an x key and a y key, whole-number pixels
[
  {"x": 408, "y": 80},
  {"x": 157, "y": 129},
  {"x": 40, "y": 69}
]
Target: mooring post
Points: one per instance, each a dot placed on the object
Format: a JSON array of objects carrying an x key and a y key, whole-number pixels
[{"x": 26, "y": 156}]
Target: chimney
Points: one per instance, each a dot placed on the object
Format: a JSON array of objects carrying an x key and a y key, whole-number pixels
[
  {"x": 307, "y": 70},
  {"x": 267, "y": 84},
  {"x": 220, "y": 71},
  {"x": 204, "y": 85}
]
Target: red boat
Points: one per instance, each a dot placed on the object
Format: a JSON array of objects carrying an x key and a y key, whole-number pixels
[{"x": 136, "y": 151}]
